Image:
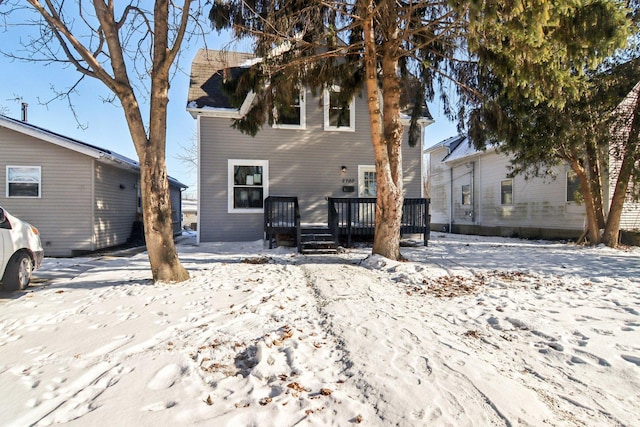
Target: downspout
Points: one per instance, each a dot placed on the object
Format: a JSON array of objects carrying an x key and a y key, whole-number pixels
[
  {"x": 198, "y": 180},
  {"x": 450, "y": 198},
  {"x": 473, "y": 192}
]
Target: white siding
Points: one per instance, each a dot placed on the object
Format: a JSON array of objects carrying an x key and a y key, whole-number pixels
[
  {"x": 538, "y": 204},
  {"x": 303, "y": 163},
  {"x": 438, "y": 186}
]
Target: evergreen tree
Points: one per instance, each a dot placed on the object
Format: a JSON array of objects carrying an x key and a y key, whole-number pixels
[
  {"x": 376, "y": 47},
  {"x": 578, "y": 122}
]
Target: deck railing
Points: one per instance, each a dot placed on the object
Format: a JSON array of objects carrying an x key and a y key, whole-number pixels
[
  {"x": 355, "y": 216},
  {"x": 281, "y": 216}
]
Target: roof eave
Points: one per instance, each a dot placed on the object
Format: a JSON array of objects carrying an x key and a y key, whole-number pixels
[
  {"x": 48, "y": 137},
  {"x": 225, "y": 113}
]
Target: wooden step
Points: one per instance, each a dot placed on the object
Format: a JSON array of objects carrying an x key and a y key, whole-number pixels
[{"x": 317, "y": 240}]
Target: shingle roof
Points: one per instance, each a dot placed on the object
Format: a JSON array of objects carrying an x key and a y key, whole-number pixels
[{"x": 208, "y": 70}]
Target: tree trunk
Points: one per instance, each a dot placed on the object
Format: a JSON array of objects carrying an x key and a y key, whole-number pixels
[
  {"x": 595, "y": 179},
  {"x": 386, "y": 134},
  {"x": 630, "y": 152},
  {"x": 156, "y": 200},
  {"x": 593, "y": 230}
]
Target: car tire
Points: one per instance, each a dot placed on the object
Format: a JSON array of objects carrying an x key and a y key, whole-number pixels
[{"x": 18, "y": 273}]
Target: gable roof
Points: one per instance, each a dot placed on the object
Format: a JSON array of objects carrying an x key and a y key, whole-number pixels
[
  {"x": 458, "y": 147},
  {"x": 210, "y": 68},
  {"x": 100, "y": 154}
]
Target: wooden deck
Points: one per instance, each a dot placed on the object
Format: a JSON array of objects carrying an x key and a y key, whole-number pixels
[{"x": 347, "y": 219}]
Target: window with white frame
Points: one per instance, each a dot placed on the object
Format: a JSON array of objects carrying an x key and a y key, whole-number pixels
[
  {"x": 506, "y": 192},
  {"x": 338, "y": 114},
  {"x": 24, "y": 181},
  {"x": 248, "y": 185},
  {"x": 367, "y": 183},
  {"x": 466, "y": 194},
  {"x": 291, "y": 116},
  {"x": 573, "y": 187}
]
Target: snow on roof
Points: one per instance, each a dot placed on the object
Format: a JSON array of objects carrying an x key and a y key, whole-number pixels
[{"x": 463, "y": 149}]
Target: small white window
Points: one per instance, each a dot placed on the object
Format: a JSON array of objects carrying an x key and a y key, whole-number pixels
[
  {"x": 291, "y": 116},
  {"x": 573, "y": 187},
  {"x": 248, "y": 185},
  {"x": 338, "y": 116},
  {"x": 367, "y": 183},
  {"x": 506, "y": 192},
  {"x": 24, "y": 181},
  {"x": 466, "y": 194}
]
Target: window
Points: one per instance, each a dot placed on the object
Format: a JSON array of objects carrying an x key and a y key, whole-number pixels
[
  {"x": 573, "y": 187},
  {"x": 367, "y": 184},
  {"x": 506, "y": 192},
  {"x": 248, "y": 185},
  {"x": 291, "y": 116},
  {"x": 466, "y": 194},
  {"x": 338, "y": 114},
  {"x": 24, "y": 181}
]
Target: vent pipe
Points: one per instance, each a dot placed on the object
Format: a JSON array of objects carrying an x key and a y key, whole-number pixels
[{"x": 25, "y": 106}]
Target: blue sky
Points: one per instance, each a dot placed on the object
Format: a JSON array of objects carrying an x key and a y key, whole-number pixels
[{"x": 103, "y": 122}]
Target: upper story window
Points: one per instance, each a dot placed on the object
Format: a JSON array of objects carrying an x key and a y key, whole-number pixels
[
  {"x": 338, "y": 114},
  {"x": 506, "y": 192},
  {"x": 291, "y": 116},
  {"x": 24, "y": 181},
  {"x": 573, "y": 187},
  {"x": 248, "y": 185}
]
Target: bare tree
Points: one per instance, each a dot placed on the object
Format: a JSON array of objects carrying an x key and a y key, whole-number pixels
[{"x": 131, "y": 49}]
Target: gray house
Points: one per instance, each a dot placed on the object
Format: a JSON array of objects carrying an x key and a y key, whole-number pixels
[
  {"x": 313, "y": 156},
  {"x": 81, "y": 197}
]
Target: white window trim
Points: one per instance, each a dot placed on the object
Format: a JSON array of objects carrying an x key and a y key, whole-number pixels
[
  {"x": 352, "y": 113},
  {"x": 39, "y": 168},
  {"x": 361, "y": 170},
  {"x": 230, "y": 180},
  {"x": 303, "y": 115},
  {"x": 512, "y": 193}
]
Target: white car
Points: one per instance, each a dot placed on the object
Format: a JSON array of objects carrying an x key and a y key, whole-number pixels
[{"x": 20, "y": 251}]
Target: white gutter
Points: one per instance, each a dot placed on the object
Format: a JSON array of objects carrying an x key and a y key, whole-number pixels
[{"x": 228, "y": 113}]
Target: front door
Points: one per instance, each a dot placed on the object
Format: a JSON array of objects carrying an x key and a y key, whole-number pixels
[{"x": 367, "y": 184}]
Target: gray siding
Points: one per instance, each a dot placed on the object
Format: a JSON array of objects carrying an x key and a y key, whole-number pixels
[
  {"x": 303, "y": 163},
  {"x": 176, "y": 208},
  {"x": 115, "y": 204},
  {"x": 63, "y": 213}
]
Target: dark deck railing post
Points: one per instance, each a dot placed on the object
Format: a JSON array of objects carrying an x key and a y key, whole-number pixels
[{"x": 281, "y": 216}]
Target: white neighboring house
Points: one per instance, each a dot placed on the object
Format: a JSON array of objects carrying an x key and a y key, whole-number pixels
[
  {"x": 190, "y": 214},
  {"x": 471, "y": 193}
]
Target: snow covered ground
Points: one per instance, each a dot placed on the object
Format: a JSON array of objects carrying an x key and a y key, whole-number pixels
[{"x": 472, "y": 331}]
